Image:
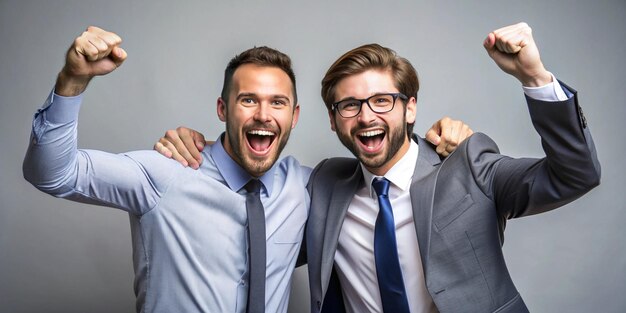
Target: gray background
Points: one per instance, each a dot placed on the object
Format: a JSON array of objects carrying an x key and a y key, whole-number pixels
[{"x": 58, "y": 256}]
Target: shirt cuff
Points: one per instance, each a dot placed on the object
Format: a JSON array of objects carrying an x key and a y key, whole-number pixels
[
  {"x": 551, "y": 92},
  {"x": 60, "y": 110}
]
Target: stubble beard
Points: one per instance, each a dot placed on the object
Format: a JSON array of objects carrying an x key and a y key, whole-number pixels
[
  {"x": 395, "y": 141},
  {"x": 254, "y": 166}
]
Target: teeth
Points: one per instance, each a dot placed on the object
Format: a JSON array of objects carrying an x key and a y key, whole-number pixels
[
  {"x": 371, "y": 133},
  {"x": 259, "y": 132}
]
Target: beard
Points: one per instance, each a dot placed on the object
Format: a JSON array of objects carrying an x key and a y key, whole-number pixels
[
  {"x": 396, "y": 137},
  {"x": 256, "y": 166}
]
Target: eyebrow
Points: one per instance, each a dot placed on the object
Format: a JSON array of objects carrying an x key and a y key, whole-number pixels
[
  {"x": 282, "y": 97},
  {"x": 254, "y": 95},
  {"x": 371, "y": 95},
  {"x": 246, "y": 94}
]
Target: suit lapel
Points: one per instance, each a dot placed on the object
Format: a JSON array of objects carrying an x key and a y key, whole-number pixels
[
  {"x": 422, "y": 195},
  {"x": 342, "y": 195}
]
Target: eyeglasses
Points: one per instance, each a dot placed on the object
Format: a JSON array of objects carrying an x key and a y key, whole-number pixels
[{"x": 379, "y": 103}]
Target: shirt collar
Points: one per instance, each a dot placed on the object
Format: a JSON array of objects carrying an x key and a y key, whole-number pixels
[
  {"x": 400, "y": 174},
  {"x": 234, "y": 175}
]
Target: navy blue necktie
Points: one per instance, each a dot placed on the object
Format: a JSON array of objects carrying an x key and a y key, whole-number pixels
[
  {"x": 256, "y": 240},
  {"x": 390, "y": 282}
]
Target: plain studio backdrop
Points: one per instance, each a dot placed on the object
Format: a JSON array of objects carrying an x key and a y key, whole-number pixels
[{"x": 59, "y": 256}]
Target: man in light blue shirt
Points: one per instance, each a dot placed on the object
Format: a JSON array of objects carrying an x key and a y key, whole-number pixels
[{"x": 189, "y": 228}]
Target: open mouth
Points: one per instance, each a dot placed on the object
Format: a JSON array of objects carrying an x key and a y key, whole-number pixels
[
  {"x": 260, "y": 141},
  {"x": 371, "y": 140}
]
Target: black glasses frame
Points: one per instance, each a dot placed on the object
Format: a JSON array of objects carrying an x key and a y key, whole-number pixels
[{"x": 396, "y": 95}]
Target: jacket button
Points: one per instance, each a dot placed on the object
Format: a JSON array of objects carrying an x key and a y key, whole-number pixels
[{"x": 583, "y": 119}]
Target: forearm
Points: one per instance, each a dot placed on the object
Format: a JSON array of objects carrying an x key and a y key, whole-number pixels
[
  {"x": 55, "y": 165},
  {"x": 569, "y": 170},
  {"x": 70, "y": 86},
  {"x": 51, "y": 156},
  {"x": 567, "y": 142}
]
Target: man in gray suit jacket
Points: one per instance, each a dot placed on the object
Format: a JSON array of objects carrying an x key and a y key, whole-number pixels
[{"x": 449, "y": 214}]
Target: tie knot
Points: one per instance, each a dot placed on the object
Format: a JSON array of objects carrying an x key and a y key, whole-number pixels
[
  {"x": 381, "y": 186},
  {"x": 253, "y": 186}
]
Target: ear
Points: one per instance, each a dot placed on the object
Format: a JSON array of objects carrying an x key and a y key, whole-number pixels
[
  {"x": 221, "y": 109},
  {"x": 331, "y": 116},
  {"x": 296, "y": 115},
  {"x": 411, "y": 110}
]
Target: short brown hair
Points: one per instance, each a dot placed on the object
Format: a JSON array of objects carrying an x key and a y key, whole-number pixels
[
  {"x": 368, "y": 57},
  {"x": 261, "y": 56}
]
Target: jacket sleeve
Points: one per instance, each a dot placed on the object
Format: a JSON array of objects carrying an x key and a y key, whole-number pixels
[{"x": 529, "y": 186}]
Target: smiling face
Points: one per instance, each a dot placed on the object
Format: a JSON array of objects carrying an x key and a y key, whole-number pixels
[
  {"x": 378, "y": 140},
  {"x": 259, "y": 114}
]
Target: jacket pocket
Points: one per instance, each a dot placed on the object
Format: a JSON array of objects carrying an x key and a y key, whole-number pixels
[
  {"x": 514, "y": 305},
  {"x": 451, "y": 214}
]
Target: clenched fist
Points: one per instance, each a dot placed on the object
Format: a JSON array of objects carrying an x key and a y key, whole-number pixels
[
  {"x": 94, "y": 52},
  {"x": 515, "y": 52}
]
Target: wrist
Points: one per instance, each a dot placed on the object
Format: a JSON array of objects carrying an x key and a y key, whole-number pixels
[
  {"x": 537, "y": 80},
  {"x": 68, "y": 85}
]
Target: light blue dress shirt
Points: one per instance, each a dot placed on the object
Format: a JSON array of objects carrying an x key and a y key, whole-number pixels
[{"x": 188, "y": 227}]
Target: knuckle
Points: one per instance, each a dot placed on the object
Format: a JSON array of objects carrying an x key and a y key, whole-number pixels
[
  {"x": 78, "y": 42},
  {"x": 170, "y": 133}
]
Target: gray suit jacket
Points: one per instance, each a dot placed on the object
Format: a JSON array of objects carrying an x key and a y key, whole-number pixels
[{"x": 460, "y": 207}]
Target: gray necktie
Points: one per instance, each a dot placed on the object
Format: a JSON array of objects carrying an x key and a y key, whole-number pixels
[{"x": 256, "y": 240}]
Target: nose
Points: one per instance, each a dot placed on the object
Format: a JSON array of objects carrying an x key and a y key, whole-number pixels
[
  {"x": 262, "y": 113},
  {"x": 366, "y": 116}
]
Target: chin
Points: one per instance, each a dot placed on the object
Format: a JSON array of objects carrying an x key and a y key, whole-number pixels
[{"x": 258, "y": 167}]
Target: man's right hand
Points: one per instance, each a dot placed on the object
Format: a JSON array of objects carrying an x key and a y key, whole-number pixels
[
  {"x": 183, "y": 145},
  {"x": 95, "y": 52}
]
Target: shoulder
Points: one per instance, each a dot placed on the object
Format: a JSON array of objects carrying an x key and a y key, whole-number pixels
[
  {"x": 157, "y": 168},
  {"x": 151, "y": 158},
  {"x": 478, "y": 144},
  {"x": 289, "y": 165},
  {"x": 476, "y": 153}
]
